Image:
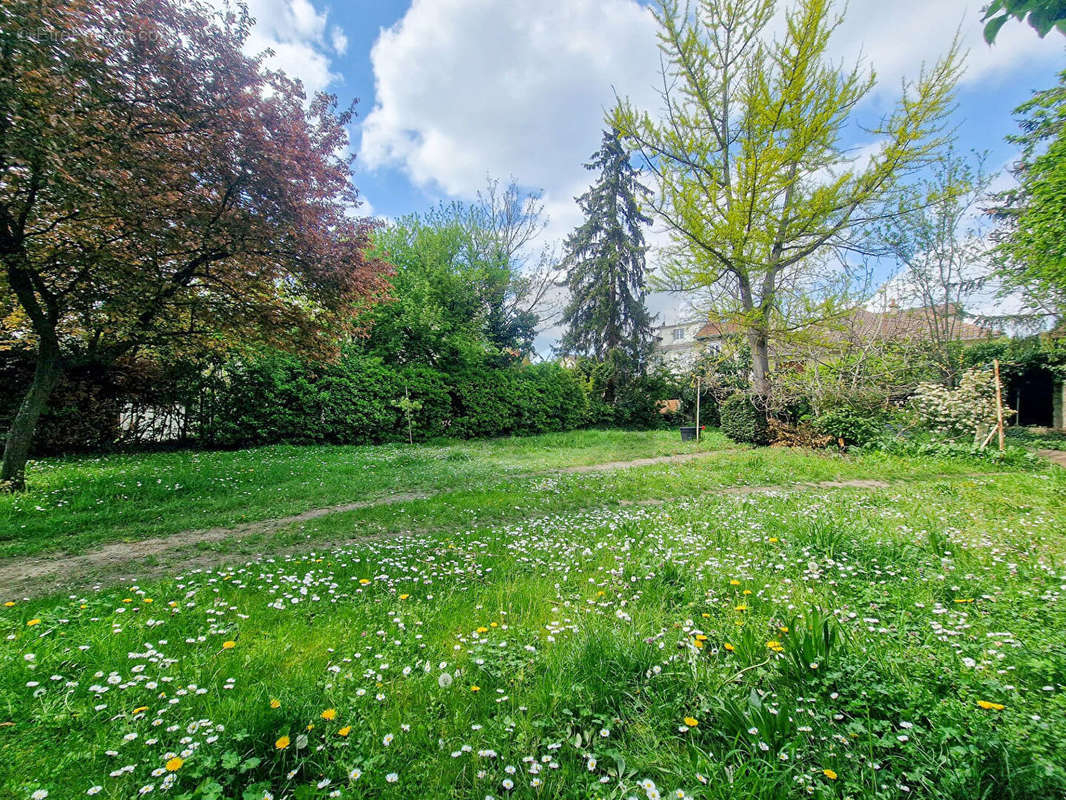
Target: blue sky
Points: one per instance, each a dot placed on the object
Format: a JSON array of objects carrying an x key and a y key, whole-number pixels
[{"x": 451, "y": 90}]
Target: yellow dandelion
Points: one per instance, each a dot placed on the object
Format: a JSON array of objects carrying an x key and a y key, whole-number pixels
[
  {"x": 282, "y": 743},
  {"x": 404, "y": 596},
  {"x": 729, "y": 647},
  {"x": 329, "y": 714},
  {"x": 9, "y": 604},
  {"x": 475, "y": 688},
  {"x": 229, "y": 645},
  {"x": 33, "y": 622},
  {"x": 481, "y": 629},
  {"x": 990, "y": 706},
  {"x": 692, "y": 722},
  {"x": 140, "y": 709},
  {"x": 174, "y": 764},
  {"x": 364, "y": 581},
  {"x": 275, "y": 703},
  {"x": 829, "y": 774},
  {"x": 734, "y": 582},
  {"x": 345, "y": 730}
]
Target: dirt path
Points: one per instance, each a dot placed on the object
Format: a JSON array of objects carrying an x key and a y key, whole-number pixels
[
  {"x": 645, "y": 462},
  {"x": 1054, "y": 456},
  {"x": 41, "y": 574},
  {"x": 47, "y": 572},
  {"x": 121, "y": 562}
]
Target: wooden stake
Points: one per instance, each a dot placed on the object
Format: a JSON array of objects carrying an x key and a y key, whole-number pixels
[
  {"x": 999, "y": 405},
  {"x": 988, "y": 438},
  {"x": 697, "y": 409}
]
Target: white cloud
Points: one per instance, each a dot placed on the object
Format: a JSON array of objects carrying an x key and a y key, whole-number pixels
[
  {"x": 338, "y": 40},
  {"x": 469, "y": 87},
  {"x": 466, "y": 88},
  {"x": 297, "y": 33},
  {"x": 897, "y": 37}
]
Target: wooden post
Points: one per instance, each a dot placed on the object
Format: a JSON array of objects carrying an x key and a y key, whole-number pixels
[
  {"x": 999, "y": 405},
  {"x": 697, "y": 409}
]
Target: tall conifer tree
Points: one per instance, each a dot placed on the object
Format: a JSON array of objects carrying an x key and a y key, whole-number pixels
[{"x": 606, "y": 318}]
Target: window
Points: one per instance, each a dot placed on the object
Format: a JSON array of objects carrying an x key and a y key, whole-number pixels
[{"x": 679, "y": 334}]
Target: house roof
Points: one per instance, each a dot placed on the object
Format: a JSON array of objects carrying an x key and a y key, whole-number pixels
[
  {"x": 715, "y": 330},
  {"x": 915, "y": 323}
]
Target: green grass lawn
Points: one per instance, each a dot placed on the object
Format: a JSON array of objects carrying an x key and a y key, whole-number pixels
[
  {"x": 1037, "y": 438},
  {"x": 81, "y": 501},
  {"x": 523, "y": 634}
]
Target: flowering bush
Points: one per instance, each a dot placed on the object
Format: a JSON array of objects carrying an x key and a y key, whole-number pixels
[{"x": 964, "y": 411}]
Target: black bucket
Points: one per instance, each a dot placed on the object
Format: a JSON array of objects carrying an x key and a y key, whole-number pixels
[{"x": 688, "y": 433}]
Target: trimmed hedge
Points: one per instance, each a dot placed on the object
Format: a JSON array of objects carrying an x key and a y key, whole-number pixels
[
  {"x": 742, "y": 421},
  {"x": 273, "y": 397},
  {"x": 516, "y": 400},
  {"x": 278, "y": 398}
]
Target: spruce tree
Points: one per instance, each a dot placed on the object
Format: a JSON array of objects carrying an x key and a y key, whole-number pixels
[{"x": 606, "y": 318}]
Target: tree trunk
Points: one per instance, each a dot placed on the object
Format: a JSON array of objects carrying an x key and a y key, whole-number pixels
[
  {"x": 760, "y": 364},
  {"x": 20, "y": 435}
]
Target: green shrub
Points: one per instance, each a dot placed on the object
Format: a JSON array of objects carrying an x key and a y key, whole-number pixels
[
  {"x": 274, "y": 398},
  {"x": 517, "y": 400},
  {"x": 923, "y": 444},
  {"x": 88, "y": 408},
  {"x": 743, "y": 421},
  {"x": 854, "y": 426},
  {"x": 637, "y": 404}
]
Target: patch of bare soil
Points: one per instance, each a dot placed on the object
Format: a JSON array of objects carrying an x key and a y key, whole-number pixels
[
  {"x": 53, "y": 573},
  {"x": 107, "y": 563},
  {"x": 644, "y": 462},
  {"x": 1054, "y": 456},
  {"x": 123, "y": 562}
]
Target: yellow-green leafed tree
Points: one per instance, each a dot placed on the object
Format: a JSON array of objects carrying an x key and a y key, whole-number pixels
[{"x": 754, "y": 180}]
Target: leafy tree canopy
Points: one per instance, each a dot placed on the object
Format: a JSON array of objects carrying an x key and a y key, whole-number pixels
[
  {"x": 160, "y": 189},
  {"x": 463, "y": 287},
  {"x": 754, "y": 179},
  {"x": 1033, "y": 239},
  {"x": 1042, "y": 16}
]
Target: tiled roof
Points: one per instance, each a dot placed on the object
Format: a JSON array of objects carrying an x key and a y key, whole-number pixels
[{"x": 714, "y": 330}]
